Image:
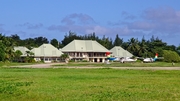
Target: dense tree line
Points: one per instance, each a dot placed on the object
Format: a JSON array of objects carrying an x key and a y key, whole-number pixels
[{"x": 139, "y": 48}]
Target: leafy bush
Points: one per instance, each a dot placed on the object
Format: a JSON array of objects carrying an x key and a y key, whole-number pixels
[
  {"x": 170, "y": 56},
  {"x": 84, "y": 61},
  {"x": 29, "y": 60},
  {"x": 71, "y": 60}
]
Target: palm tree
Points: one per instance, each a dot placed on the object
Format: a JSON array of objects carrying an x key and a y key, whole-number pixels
[
  {"x": 29, "y": 53},
  {"x": 55, "y": 43},
  {"x": 18, "y": 54},
  {"x": 29, "y": 57},
  {"x": 9, "y": 48},
  {"x": 118, "y": 41},
  {"x": 2, "y": 52},
  {"x": 133, "y": 46},
  {"x": 65, "y": 57},
  {"x": 142, "y": 52}
]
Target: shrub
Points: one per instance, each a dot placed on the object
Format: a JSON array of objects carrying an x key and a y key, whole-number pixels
[
  {"x": 71, "y": 60},
  {"x": 84, "y": 61},
  {"x": 170, "y": 56}
]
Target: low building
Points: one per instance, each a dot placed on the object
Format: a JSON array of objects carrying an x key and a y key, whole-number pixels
[
  {"x": 23, "y": 50},
  {"x": 87, "y": 50},
  {"x": 119, "y": 52},
  {"x": 46, "y": 53}
]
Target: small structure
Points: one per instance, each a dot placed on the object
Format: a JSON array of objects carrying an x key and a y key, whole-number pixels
[
  {"x": 119, "y": 52},
  {"x": 47, "y": 53},
  {"x": 23, "y": 51}
]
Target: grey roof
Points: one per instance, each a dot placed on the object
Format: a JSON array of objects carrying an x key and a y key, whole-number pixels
[
  {"x": 84, "y": 46},
  {"x": 46, "y": 50},
  {"x": 22, "y": 49},
  {"x": 118, "y": 51}
]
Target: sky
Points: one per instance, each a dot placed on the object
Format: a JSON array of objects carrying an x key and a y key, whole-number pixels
[{"x": 127, "y": 18}]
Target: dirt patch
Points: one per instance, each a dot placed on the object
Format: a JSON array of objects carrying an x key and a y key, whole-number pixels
[
  {"x": 45, "y": 65},
  {"x": 50, "y": 65}
]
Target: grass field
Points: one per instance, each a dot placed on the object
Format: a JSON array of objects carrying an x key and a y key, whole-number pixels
[
  {"x": 18, "y": 84},
  {"x": 117, "y": 64},
  {"x": 112, "y": 64},
  {"x": 2, "y": 64}
]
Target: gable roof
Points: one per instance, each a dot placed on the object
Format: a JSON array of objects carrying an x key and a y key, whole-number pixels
[
  {"x": 22, "y": 49},
  {"x": 46, "y": 50},
  {"x": 84, "y": 46},
  {"x": 118, "y": 51}
]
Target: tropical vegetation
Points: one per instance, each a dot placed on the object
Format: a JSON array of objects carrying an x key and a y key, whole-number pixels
[{"x": 139, "y": 48}]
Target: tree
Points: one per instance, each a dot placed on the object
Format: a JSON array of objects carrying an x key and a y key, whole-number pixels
[
  {"x": 133, "y": 46},
  {"x": 6, "y": 48},
  {"x": 2, "y": 52},
  {"x": 16, "y": 39},
  {"x": 41, "y": 40},
  {"x": 125, "y": 45},
  {"x": 142, "y": 52},
  {"x": 55, "y": 43},
  {"x": 65, "y": 57},
  {"x": 170, "y": 56},
  {"x": 29, "y": 53},
  {"x": 178, "y": 49},
  {"x": 117, "y": 41},
  {"x": 68, "y": 38},
  {"x": 18, "y": 54},
  {"x": 29, "y": 57},
  {"x": 91, "y": 36},
  {"x": 9, "y": 48},
  {"x": 106, "y": 42},
  {"x": 155, "y": 45},
  {"x": 170, "y": 47},
  {"x": 29, "y": 43}
]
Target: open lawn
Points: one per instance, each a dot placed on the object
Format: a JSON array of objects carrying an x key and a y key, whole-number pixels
[
  {"x": 105, "y": 84},
  {"x": 2, "y": 64},
  {"x": 90, "y": 64},
  {"x": 118, "y": 64}
]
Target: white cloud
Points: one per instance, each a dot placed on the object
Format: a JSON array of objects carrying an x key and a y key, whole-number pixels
[
  {"x": 158, "y": 20},
  {"x": 167, "y": 20},
  {"x": 141, "y": 25},
  {"x": 161, "y": 22},
  {"x": 97, "y": 29},
  {"x": 78, "y": 19},
  {"x": 32, "y": 26}
]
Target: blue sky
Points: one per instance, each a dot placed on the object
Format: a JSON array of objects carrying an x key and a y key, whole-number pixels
[{"x": 127, "y": 18}]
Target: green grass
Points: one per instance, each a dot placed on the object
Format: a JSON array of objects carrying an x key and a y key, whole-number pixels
[
  {"x": 117, "y": 64},
  {"x": 18, "y": 84},
  {"x": 2, "y": 64},
  {"x": 112, "y": 64}
]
